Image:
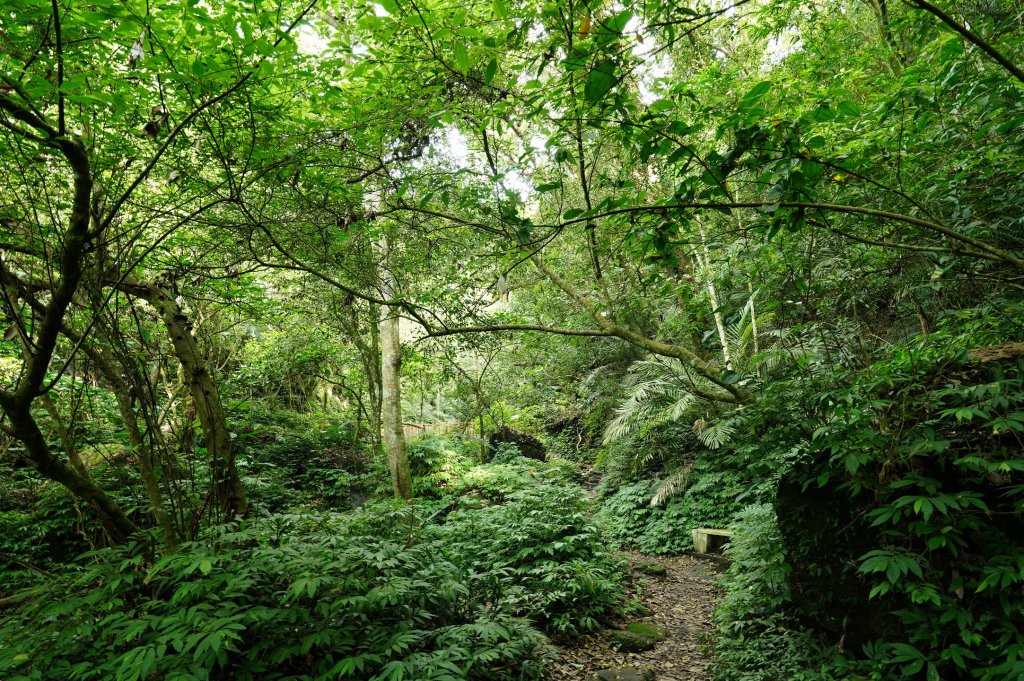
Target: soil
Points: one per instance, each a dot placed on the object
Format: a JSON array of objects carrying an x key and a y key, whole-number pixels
[{"x": 682, "y": 601}]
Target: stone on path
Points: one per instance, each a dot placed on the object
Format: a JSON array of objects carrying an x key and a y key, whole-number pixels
[
  {"x": 638, "y": 636},
  {"x": 652, "y": 569},
  {"x": 624, "y": 674}
]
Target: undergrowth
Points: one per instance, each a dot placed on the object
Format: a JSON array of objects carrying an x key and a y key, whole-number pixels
[{"x": 469, "y": 586}]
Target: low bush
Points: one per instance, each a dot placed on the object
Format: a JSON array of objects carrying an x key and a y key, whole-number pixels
[
  {"x": 756, "y": 638},
  {"x": 438, "y": 461},
  {"x": 710, "y": 498},
  {"x": 542, "y": 554},
  {"x": 917, "y": 565},
  {"x": 431, "y": 590},
  {"x": 290, "y": 459},
  {"x": 299, "y": 597}
]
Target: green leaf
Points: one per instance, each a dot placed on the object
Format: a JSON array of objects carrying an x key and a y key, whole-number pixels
[
  {"x": 755, "y": 95},
  {"x": 617, "y": 23},
  {"x": 461, "y": 58},
  {"x": 848, "y": 109},
  {"x": 490, "y": 71},
  {"x": 600, "y": 80},
  {"x": 823, "y": 114}
]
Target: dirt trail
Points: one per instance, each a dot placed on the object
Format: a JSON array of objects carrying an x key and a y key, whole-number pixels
[{"x": 682, "y": 601}]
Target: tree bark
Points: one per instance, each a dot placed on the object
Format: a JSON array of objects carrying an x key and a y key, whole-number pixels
[
  {"x": 391, "y": 393},
  {"x": 205, "y": 398},
  {"x": 120, "y": 384},
  {"x": 24, "y": 428},
  {"x": 716, "y": 311}
]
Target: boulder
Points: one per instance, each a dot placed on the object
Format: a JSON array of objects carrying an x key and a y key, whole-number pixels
[
  {"x": 638, "y": 636},
  {"x": 528, "y": 445}
]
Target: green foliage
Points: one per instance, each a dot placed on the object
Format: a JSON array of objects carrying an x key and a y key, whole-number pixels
[
  {"x": 709, "y": 494},
  {"x": 299, "y": 459},
  {"x": 437, "y": 462},
  {"x": 900, "y": 520},
  {"x": 756, "y": 638},
  {"x": 289, "y": 596},
  {"x": 425, "y": 591},
  {"x": 925, "y": 450},
  {"x": 540, "y": 551}
]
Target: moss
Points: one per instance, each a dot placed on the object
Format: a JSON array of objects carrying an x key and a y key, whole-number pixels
[
  {"x": 651, "y": 630},
  {"x": 652, "y": 569},
  {"x": 638, "y": 636}
]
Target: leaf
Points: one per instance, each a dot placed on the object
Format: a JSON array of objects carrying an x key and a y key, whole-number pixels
[
  {"x": 848, "y": 109},
  {"x": 755, "y": 94},
  {"x": 490, "y": 71},
  {"x": 600, "y": 80},
  {"x": 618, "y": 23},
  {"x": 823, "y": 114},
  {"x": 461, "y": 58},
  {"x": 499, "y": 8}
]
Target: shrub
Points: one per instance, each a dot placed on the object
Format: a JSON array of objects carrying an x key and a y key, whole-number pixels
[
  {"x": 709, "y": 499},
  {"x": 418, "y": 591},
  {"x": 437, "y": 461},
  {"x": 922, "y": 461},
  {"x": 542, "y": 554},
  {"x": 756, "y": 638},
  {"x": 290, "y": 459},
  {"x": 291, "y": 597}
]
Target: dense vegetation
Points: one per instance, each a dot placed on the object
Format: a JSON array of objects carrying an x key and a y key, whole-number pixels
[{"x": 353, "y": 339}]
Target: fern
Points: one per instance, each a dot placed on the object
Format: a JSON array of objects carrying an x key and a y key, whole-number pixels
[
  {"x": 713, "y": 436},
  {"x": 671, "y": 486}
]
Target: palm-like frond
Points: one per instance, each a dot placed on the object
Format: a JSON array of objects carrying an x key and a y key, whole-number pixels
[
  {"x": 659, "y": 392},
  {"x": 671, "y": 486},
  {"x": 717, "y": 434}
]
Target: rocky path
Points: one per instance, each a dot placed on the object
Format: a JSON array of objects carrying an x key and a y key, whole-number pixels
[{"x": 681, "y": 601}]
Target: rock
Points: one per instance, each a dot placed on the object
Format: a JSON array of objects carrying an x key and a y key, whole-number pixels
[
  {"x": 652, "y": 569},
  {"x": 528, "y": 445},
  {"x": 624, "y": 674},
  {"x": 638, "y": 636}
]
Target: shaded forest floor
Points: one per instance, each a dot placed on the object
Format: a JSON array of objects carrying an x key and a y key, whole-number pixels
[{"x": 682, "y": 601}]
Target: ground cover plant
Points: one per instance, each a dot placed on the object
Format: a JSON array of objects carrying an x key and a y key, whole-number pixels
[{"x": 388, "y": 339}]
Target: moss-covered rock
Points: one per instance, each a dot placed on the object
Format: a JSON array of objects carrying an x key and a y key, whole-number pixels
[
  {"x": 638, "y": 636},
  {"x": 652, "y": 569}
]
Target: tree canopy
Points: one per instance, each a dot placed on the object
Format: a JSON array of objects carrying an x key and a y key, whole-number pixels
[{"x": 318, "y": 310}]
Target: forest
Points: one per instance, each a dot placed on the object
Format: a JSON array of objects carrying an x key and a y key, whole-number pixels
[{"x": 414, "y": 339}]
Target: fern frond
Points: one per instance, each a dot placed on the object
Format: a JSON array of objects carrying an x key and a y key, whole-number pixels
[
  {"x": 716, "y": 435},
  {"x": 671, "y": 486}
]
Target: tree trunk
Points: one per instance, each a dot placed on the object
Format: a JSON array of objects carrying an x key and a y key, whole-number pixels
[
  {"x": 716, "y": 312},
  {"x": 120, "y": 385},
  {"x": 391, "y": 394},
  {"x": 205, "y": 398},
  {"x": 66, "y": 434},
  {"x": 24, "y": 428},
  {"x": 369, "y": 355}
]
